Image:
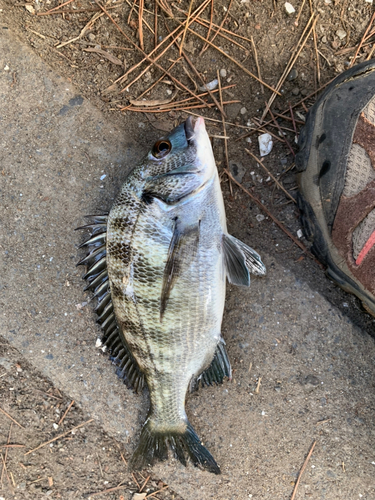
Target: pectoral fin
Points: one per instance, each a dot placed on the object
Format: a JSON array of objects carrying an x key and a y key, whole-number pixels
[
  {"x": 240, "y": 260},
  {"x": 182, "y": 249}
]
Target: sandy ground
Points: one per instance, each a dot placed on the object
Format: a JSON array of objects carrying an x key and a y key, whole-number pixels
[{"x": 315, "y": 361}]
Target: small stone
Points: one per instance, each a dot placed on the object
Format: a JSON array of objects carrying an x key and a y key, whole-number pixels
[
  {"x": 299, "y": 233},
  {"x": 292, "y": 75},
  {"x": 55, "y": 426},
  {"x": 310, "y": 383},
  {"x": 232, "y": 110},
  {"x": 91, "y": 37},
  {"x": 6, "y": 68},
  {"x": 169, "y": 92},
  {"x": 295, "y": 91},
  {"x": 237, "y": 170},
  {"x": 341, "y": 34},
  {"x": 260, "y": 217},
  {"x": 210, "y": 86},
  {"x": 139, "y": 496},
  {"x": 265, "y": 144},
  {"x": 289, "y": 8},
  {"x": 335, "y": 44},
  {"x": 30, "y": 9},
  {"x": 324, "y": 39},
  {"x": 243, "y": 111},
  {"x": 368, "y": 1},
  {"x": 223, "y": 73}
]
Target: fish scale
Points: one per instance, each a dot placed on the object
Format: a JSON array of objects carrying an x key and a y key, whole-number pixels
[{"x": 167, "y": 256}]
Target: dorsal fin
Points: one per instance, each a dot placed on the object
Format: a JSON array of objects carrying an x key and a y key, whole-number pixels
[{"x": 97, "y": 277}]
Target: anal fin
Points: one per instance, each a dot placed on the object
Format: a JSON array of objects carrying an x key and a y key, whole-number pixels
[{"x": 218, "y": 369}]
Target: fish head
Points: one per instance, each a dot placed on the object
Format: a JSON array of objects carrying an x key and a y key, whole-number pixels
[{"x": 180, "y": 163}]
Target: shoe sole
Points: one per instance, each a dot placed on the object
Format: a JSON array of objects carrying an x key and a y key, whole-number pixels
[{"x": 313, "y": 218}]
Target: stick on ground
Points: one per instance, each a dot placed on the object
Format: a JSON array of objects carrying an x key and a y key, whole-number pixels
[
  {"x": 11, "y": 418},
  {"x": 302, "y": 471},
  {"x": 59, "y": 436}
]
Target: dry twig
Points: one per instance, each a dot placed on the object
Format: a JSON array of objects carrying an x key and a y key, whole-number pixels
[
  {"x": 362, "y": 40},
  {"x": 59, "y": 436},
  {"x": 257, "y": 63},
  {"x": 234, "y": 61},
  {"x": 11, "y": 418},
  {"x": 140, "y": 23},
  {"x": 302, "y": 471},
  {"x": 65, "y": 414},
  {"x": 271, "y": 216},
  {"x": 298, "y": 49},
  {"x": 260, "y": 162}
]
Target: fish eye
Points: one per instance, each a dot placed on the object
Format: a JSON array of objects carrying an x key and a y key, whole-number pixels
[{"x": 161, "y": 148}]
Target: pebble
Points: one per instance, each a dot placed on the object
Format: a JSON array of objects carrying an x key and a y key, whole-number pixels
[
  {"x": 260, "y": 217},
  {"x": 223, "y": 73},
  {"x": 292, "y": 75},
  {"x": 210, "y": 86},
  {"x": 295, "y": 91},
  {"x": 289, "y": 8},
  {"x": 243, "y": 111},
  {"x": 237, "y": 170},
  {"x": 91, "y": 37},
  {"x": 341, "y": 34},
  {"x": 265, "y": 144}
]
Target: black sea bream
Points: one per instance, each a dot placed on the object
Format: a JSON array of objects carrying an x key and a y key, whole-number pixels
[{"x": 158, "y": 264}]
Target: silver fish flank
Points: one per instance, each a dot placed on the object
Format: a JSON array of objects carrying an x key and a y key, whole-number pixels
[{"x": 158, "y": 264}]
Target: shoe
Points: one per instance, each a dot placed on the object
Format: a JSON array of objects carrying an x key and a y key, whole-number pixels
[{"x": 336, "y": 164}]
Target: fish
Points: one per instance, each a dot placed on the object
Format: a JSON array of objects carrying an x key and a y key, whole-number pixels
[{"x": 158, "y": 263}]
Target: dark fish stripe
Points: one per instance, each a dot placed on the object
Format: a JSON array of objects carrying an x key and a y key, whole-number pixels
[
  {"x": 121, "y": 251},
  {"x": 120, "y": 223}
]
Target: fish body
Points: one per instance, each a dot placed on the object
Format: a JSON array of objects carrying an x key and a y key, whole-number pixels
[{"x": 168, "y": 256}]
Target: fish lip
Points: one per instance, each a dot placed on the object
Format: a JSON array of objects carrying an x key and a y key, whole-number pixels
[
  {"x": 193, "y": 127},
  {"x": 189, "y": 129}
]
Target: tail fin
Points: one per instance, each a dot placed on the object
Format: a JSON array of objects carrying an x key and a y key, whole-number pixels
[{"x": 153, "y": 445}]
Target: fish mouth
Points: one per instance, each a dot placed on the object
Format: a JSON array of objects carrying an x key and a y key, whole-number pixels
[{"x": 193, "y": 127}]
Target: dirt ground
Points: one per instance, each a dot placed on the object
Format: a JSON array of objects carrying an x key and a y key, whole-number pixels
[{"x": 92, "y": 460}]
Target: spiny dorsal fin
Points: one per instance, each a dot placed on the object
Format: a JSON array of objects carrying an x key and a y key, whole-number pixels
[
  {"x": 182, "y": 249},
  {"x": 240, "y": 260},
  {"x": 97, "y": 277}
]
